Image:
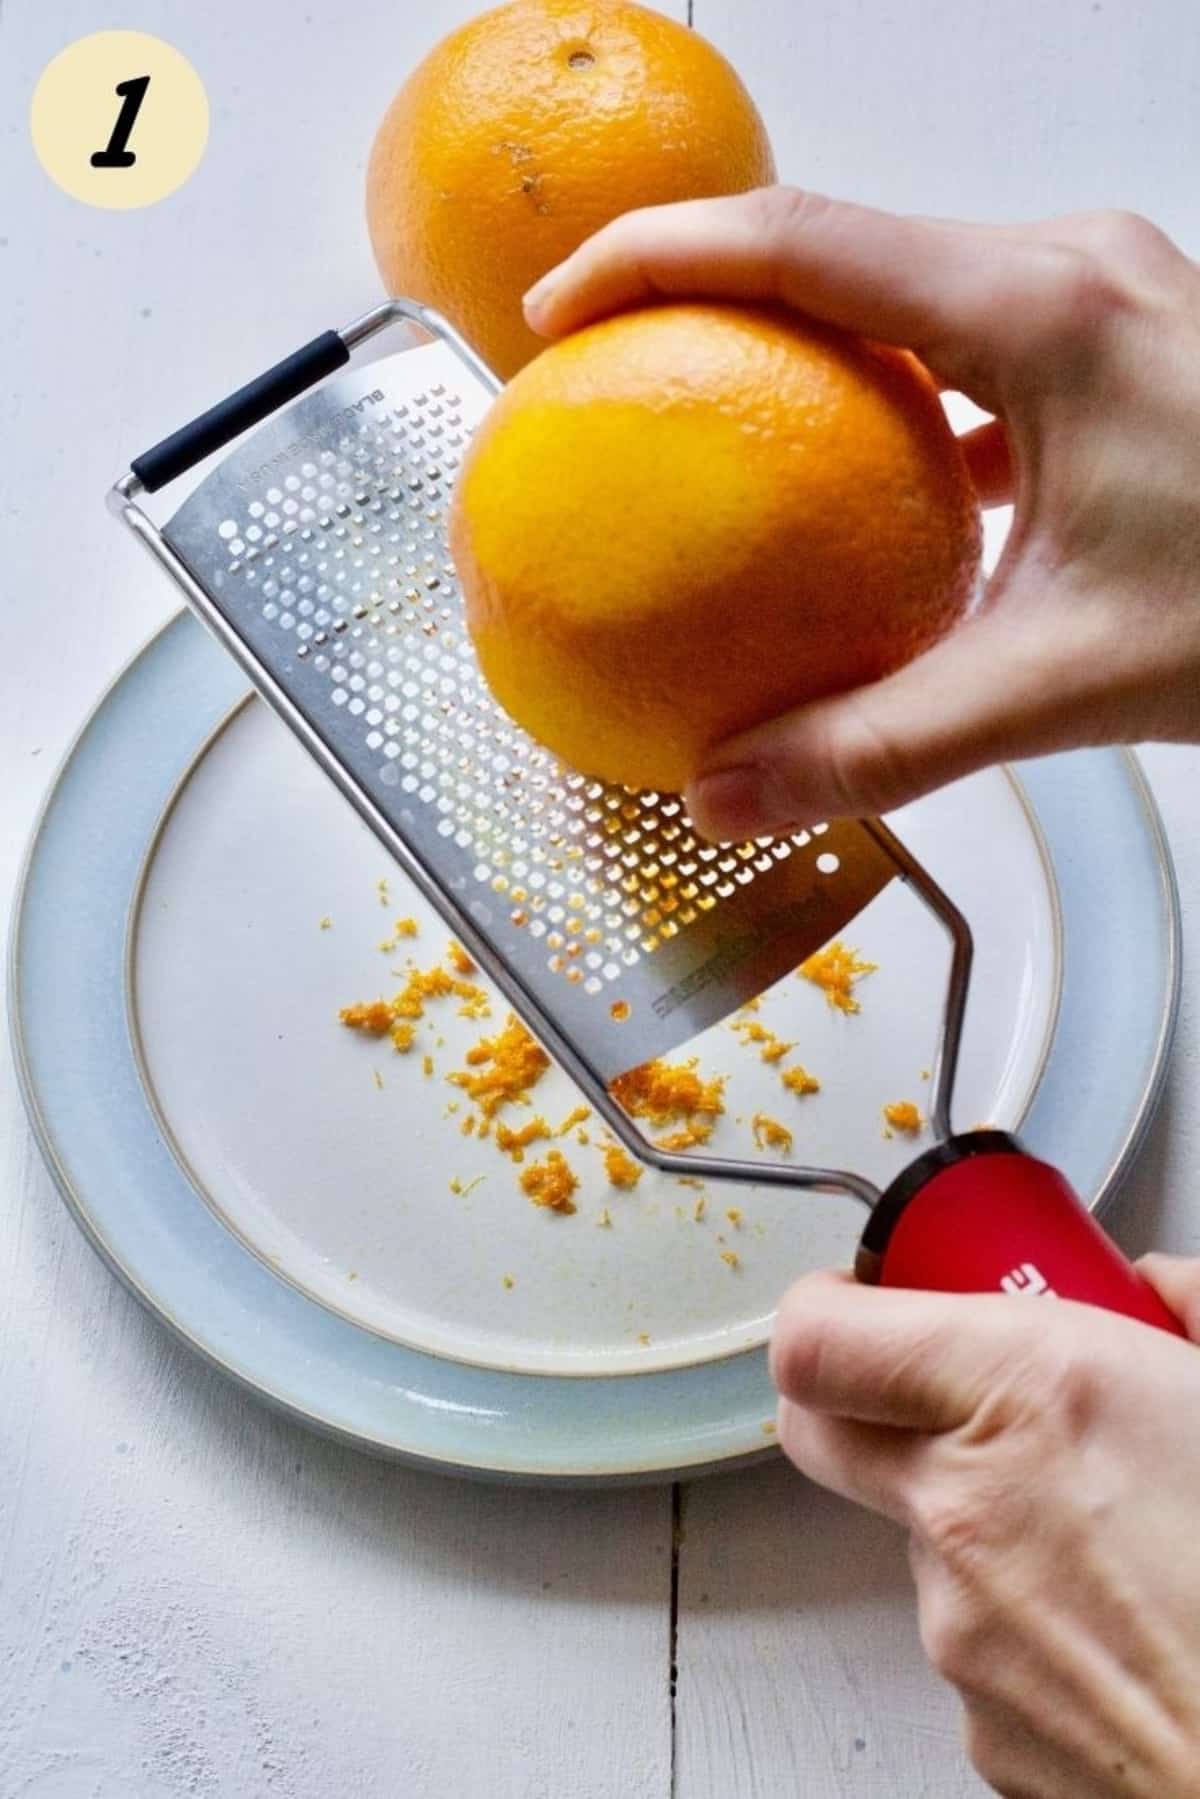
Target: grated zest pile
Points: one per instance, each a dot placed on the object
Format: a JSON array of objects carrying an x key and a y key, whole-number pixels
[{"x": 836, "y": 969}]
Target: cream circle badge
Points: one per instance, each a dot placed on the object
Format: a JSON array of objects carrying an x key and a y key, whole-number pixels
[{"x": 119, "y": 119}]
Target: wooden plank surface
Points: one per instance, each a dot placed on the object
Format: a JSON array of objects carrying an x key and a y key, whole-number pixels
[
  {"x": 800, "y": 1670},
  {"x": 197, "y": 1599}
]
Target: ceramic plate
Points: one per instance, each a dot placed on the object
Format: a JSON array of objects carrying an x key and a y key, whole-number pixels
[{"x": 301, "y": 1203}]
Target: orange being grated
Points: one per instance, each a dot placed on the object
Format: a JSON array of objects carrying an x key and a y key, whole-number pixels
[
  {"x": 903, "y": 1115},
  {"x": 798, "y": 1080},
  {"x": 578, "y": 1116},
  {"x": 551, "y": 1183},
  {"x": 836, "y": 969},
  {"x": 769, "y": 1134},
  {"x": 372, "y": 1016},
  {"x": 507, "y": 1066},
  {"x": 621, "y": 1169},
  {"x": 405, "y": 927},
  {"x": 402, "y": 1037},
  {"x": 514, "y": 1143}
]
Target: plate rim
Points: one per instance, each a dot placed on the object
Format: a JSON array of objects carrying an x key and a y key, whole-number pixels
[
  {"x": 310, "y": 1414},
  {"x": 1160, "y": 1062}
]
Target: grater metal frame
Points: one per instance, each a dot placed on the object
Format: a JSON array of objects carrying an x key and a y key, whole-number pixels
[{"x": 258, "y": 401}]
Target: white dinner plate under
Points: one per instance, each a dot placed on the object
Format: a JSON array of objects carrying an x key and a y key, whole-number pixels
[{"x": 301, "y": 1203}]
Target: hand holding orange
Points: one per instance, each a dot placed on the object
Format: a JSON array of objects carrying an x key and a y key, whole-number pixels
[{"x": 679, "y": 522}]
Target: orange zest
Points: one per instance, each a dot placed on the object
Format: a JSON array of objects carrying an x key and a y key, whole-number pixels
[
  {"x": 770, "y": 1134},
  {"x": 836, "y": 969},
  {"x": 621, "y": 1169},
  {"x": 904, "y": 1116},
  {"x": 773, "y": 1048},
  {"x": 551, "y": 1183},
  {"x": 664, "y": 1093},
  {"x": 502, "y": 1069},
  {"x": 374, "y": 1017},
  {"x": 514, "y": 1143}
]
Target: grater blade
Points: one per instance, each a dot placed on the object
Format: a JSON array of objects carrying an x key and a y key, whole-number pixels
[{"x": 320, "y": 545}]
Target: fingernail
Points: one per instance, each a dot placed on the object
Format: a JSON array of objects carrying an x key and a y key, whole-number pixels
[
  {"x": 538, "y": 297},
  {"x": 748, "y": 801}
]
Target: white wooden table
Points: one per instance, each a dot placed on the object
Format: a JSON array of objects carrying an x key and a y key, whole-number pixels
[{"x": 196, "y": 1598}]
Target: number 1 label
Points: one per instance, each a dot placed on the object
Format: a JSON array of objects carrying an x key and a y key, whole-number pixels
[
  {"x": 94, "y": 132},
  {"x": 115, "y": 155}
]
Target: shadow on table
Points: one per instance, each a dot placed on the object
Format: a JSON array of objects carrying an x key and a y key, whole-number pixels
[{"x": 768, "y": 1540}]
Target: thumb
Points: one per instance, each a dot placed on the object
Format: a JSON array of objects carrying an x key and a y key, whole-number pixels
[
  {"x": 886, "y": 1356},
  {"x": 1176, "y": 1280},
  {"x": 999, "y": 687}
]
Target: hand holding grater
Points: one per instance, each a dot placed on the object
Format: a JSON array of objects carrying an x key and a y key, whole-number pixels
[{"x": 316, "y": 552}]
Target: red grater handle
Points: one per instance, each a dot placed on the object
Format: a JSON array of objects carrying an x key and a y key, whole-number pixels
[{"x": 977, "y": 1214}]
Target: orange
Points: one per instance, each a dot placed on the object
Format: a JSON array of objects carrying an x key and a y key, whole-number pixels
[
  {"x": 686, "y": 520},
  {"x": 525, "y": 131}
]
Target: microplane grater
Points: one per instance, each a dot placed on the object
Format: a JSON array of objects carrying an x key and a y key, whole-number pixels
[{"x": 316, "y": 551}]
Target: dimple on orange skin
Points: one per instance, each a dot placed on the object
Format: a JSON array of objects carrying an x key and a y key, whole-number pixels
[
  {"x": 683, "y": 521},
  {"x": 528, "y": 129}
]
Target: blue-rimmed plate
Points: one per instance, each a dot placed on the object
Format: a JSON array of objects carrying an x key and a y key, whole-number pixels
[{"x": 303, "y": 1207}]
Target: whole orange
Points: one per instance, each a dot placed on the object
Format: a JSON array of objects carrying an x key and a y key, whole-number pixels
[
  {"x": 683, "y": 521},
  {"x": 525, "y": 131}
]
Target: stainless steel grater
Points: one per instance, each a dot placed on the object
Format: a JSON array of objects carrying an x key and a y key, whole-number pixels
[{"x": 316, "y": 551}]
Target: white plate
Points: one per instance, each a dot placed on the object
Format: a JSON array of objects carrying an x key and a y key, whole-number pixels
[
  {"x": 303, "y": 1159},
  {"x": 344, "y": 1186}
]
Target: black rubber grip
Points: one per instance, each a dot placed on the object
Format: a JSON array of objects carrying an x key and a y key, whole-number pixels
[{"x": 176, "y": 454}]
